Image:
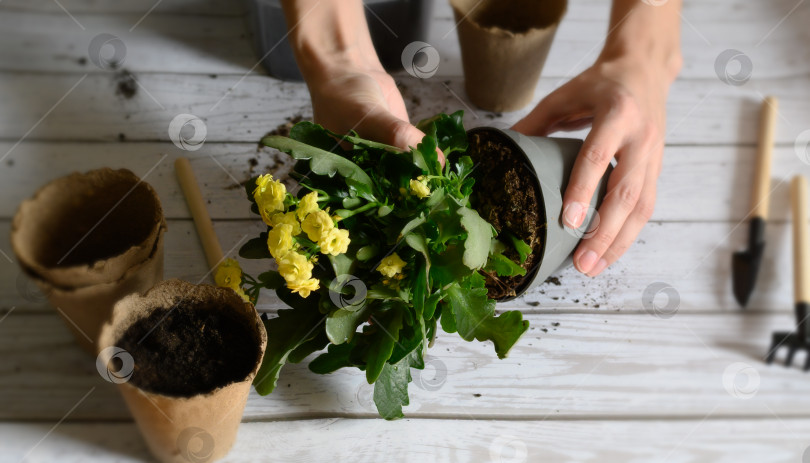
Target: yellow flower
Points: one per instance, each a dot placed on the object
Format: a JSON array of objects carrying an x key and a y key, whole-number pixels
[
  {"x": 294, "y": 267},
  {"x": 279, "y": 240},
  {"x": 229, "y": 274},
  {"x": 241, "y": 293},
  {"x": 391, "y": 265},
  {"x": 317, "y": 224},
  {"x": 307, "y": 205},
  {"x": 335, "y": 241},
  {"x": 269, "y": 195},
  {"x": 419, "y": 188},
  {"x": 304, "y": 287},
  {"x": 288, "y": 218}
]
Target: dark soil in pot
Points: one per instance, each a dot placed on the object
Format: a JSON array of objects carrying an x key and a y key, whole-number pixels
[
  {"x": 99, "y": 226},
  {"x": 507, "y": 195},
  {"x": 184, "y": 351}
]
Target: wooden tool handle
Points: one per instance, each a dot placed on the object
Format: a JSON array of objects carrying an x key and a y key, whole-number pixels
[
  {"x": 801, "y": 240},
  {"x": 205, "y": 229},
  {"x": 762, "y": 172}
]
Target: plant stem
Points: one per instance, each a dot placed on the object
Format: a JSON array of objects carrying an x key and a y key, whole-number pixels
[{"x": 360, "y": 209}]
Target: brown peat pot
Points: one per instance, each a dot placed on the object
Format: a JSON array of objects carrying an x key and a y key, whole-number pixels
[
  {"x": 184, "y": 357},
  {"x": 88, "y": 240}
]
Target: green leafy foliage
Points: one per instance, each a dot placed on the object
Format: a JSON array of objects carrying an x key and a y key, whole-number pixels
[
  {"x": 385, "y": 324},
  {"x": 292, "y": 328}
]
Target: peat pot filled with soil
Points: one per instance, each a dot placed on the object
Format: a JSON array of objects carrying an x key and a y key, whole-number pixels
[
  {"x": 184, "y": 357},
  {"x": 520, "y": 181},
  {"x": 88, "y": 240}
]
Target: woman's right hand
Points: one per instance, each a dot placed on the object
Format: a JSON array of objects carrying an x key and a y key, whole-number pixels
[{"x": 349, "y": 88}]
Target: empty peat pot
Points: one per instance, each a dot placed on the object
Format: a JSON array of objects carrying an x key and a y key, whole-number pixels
[
  {"x": 520, "y": 186},
  {"x": 504, "y": 45},
  {"x": 88, "y": 240},
  {"x": 184, "y": 357}
]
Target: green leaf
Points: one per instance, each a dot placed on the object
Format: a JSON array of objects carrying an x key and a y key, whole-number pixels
[
  {"x": 315, "y": 344},
  {"x": 335, "y": 358},
  {"x": 315, "y": 135},
  {"x": 420, "y": 287},
  {"x": 427, "y": 150},
  {"x": 342, "y": 324},
  {"x": 367, "y": 252},
  {"x": 474, "y": 314},
  {"x": 256, "y": 248},
  {"x": 448, "y": 321},
  {"x": 503, "y": 266},
  {"x": 479, "y": 234},
  {"x": 391, "y": 388},
  {"x": 387, "y": 327},
  {"x": 271, "y": 279},
  {"x": 355, "y": 140},
  {"x": 447, "y": 267},
  {"x": 321, "y": 162},
  {"x": 250, "y": 187},
  {"x": 285, "y": 333},
  {"x": 341, "y": 264},
  {"x": 504, "y": 331},
  {"x": 523, "y": 249},
  {"x": 450, "y": 133},
  {"x": 410, "y": 226},
  {"x": 430, "y": 305}
]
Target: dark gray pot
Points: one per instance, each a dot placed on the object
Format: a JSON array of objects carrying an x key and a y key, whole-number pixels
[{"x": 552, "y": 160}]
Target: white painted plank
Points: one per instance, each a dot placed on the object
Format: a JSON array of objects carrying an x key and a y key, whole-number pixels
[
  {"x": 31, "y": 40},
  {"x": 693, "y": 258},
  {"x": 445, "y": 441},
  {"x": 159, "y": 42},
  {"x": 771, "y": 34},
  {"x": 185, "y": 7},
  {"x": 568, "y": 366},
  {"x": 43, "y": 107},
  {"x": 717, "y": 178}
]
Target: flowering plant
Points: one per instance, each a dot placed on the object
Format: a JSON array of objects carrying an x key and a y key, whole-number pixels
[{"x": 379, "y": 247}]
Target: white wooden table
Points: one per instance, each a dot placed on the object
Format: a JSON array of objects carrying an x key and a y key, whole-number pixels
[{"x": 601, "y": 375}]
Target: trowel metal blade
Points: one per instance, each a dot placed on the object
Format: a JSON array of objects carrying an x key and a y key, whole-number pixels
[{"x": 744, "y": 269}]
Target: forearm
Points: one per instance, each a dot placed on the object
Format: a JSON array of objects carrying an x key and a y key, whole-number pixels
[
  {"x": 327, "y": 35},
  {"x": 645, "y": 34}
]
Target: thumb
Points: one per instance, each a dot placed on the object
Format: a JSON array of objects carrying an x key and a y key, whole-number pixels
[{"x": 389, "y": 129}]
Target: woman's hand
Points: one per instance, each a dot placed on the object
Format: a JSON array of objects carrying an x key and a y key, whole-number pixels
[
  {"x": 623, "y": 98},
  {"x": 349, "y": 88},
  {"x": 365, "y": 100}
]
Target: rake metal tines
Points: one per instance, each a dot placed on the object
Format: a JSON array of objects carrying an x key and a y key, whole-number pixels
[
  {"x": 793, "y": 340},
  {"x": 800, "y": 338}
]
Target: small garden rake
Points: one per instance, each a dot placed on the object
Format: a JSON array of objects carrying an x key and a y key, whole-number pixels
[{"x": 800, "y": 338}]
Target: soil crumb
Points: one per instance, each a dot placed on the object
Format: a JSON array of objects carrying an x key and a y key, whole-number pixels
[
  {"x": 186, "y": 350},
  {"x": 125, "y": 84},
  {"x": 506, "y": 195},
  {"x": 554, "y": 280},
  {"x": 284, "y": 128}
]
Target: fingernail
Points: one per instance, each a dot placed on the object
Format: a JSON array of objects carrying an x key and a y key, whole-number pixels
[
  {"x": 587, "y": 261},
  {"x": 574, "y": 214},
  {"x": 597, "y": 269}
]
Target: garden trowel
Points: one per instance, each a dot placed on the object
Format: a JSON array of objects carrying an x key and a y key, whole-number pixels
[{"x": 745, "y": 264}]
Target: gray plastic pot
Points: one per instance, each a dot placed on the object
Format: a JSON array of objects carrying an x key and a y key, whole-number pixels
[{"x": 552, "y": 160}]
